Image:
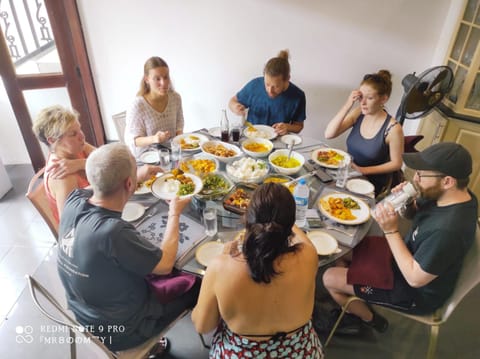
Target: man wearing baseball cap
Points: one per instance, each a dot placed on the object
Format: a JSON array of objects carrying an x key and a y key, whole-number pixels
[{"x": 427, "y": 261}]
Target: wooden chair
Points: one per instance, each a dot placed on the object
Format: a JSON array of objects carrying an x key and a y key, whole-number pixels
[
  {"x": 37, "y": 195},
  {"x": 119, "y": 120},
  {"x": 62, "y": 317},
  {"x": 469, "y": 278}
]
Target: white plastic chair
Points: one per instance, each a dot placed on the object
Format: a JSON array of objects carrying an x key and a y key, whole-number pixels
[
  {"x": 74, "y": 327},
  {"x": 469, "y": 278}
]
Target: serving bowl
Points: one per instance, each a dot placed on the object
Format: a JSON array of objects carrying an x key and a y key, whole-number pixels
[
  {"x": 248, "y": 170},
  {"x": 257, "y": 147},
  {"x": 199, "y": 165},
  {"x": 282, "y": 155},
  {"x": 222, "y": 151}
]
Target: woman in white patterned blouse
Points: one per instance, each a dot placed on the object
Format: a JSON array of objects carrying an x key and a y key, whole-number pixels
[{"x": 156, "y": 114}]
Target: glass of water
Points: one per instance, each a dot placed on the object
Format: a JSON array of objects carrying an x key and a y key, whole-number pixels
[
  {"x": 342, "y": 172},
  {"x": 210, "y": 221},
  {"x": 176, "y": 153},
  {"x": 164, "y": 158}
]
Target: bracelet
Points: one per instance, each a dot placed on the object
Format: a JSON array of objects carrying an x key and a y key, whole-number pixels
[
  {"x": 391, "y": 232},
  {"x": 173, "y": 215}
]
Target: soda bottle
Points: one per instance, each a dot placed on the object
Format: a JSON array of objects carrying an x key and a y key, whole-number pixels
[{"x": 224, "y": 127}]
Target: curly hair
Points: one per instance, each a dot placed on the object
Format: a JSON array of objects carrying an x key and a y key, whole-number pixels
[{"x": 269, "y": 220}]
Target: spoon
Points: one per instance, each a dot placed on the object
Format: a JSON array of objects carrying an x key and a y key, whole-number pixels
[
  {"x": 292, "y": 143},
  {"x": 250, "y": 126}
]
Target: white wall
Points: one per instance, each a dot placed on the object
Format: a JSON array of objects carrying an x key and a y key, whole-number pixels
[{"x": 213, "y": 47}]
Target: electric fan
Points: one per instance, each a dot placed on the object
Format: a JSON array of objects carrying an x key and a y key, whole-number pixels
[
  {"x": 421, "y": 95},
  {"x": 424, "y": 92}
]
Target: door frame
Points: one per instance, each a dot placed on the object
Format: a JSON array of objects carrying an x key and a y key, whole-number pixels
[{"x": 76, "y": 77}]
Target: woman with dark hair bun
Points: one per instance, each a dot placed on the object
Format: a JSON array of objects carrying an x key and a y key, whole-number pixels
[{"x": 259, "y": 293}]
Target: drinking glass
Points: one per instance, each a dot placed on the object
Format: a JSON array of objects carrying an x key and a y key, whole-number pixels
[
  {"x": 176, "y": 154},
  {"x": 342, "y": 172},
  {"x": 210, "y": 221},
  {"x": 164, "y": 157}
]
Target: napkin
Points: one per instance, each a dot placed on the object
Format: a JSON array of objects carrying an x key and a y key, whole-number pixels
[{"x": 371, "y": 264}]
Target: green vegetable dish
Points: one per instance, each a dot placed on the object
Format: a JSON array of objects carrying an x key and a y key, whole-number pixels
[
  {"x": 350, "y": 203},
  {"x": 186, "y": 189},
  {"x": 214, "y": 183}
]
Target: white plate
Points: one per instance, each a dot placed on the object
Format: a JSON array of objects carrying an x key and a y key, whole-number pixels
[
  {"x": 362, "y": 215},
  {"x": 165, "y": 187},
  {"x": 194, "y": 139},
  {"x": 287, "y": 139},
  {"x": 263, "y": 131},
  {"x": 360, "y": 186},
  {"x": 324, "y": 243},
  {"x": 149, "y": 157},
  {"x": 215, "y": 132},
  {"x": 132, "y": 211},
  {"x": 324, "y": 164},
  {"x": 208, "y": 251}
]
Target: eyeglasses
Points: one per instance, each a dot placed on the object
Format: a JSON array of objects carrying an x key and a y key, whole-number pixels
[{"x": 420, "y": 175}]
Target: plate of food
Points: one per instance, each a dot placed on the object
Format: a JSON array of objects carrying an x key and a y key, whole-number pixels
[
  {"x": 190, "y": 141},
  {"x": 150, "y": 157},
  {"x": 222, "y": 151},
  {"x": 238, "y": 198},
  {"x": 247, "y": 169},
  {"x": 132, "y": 211},
  {"x": 208, "y": 251},
  {"x": 215, "y": 185},
  {"x": 323, "y": 242},
  {"x": 260, "y": 131},
  {"x": 329, "y": 157},
  {"x": 176, "y": 183},
  {"x": 199, "y": 165},
  {"x": 344, "y": 208},
  {"x": 145, "y": 186}
]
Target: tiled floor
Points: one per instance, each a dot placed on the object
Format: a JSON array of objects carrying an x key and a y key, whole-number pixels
[{"x": 27, "y": 247}]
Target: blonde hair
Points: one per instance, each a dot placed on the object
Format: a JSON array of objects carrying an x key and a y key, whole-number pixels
[
  {"x": 52, "y": 122},
  {"x": 108, "y": 167},
  {"x": 278, "y": 66},
  {"x": 152, "y": 63}
]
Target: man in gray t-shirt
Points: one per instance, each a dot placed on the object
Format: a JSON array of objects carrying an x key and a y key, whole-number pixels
[{"x": 103, "y": 260}]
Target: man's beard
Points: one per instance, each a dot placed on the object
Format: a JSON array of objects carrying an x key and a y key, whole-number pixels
[{"x": 431, "y": 193}]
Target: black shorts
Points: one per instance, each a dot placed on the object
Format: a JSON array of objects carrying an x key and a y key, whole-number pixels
[{"x": 400, "y": 297}]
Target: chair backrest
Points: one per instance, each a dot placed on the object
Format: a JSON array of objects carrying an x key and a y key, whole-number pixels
[
  {"x": 66, "y": 319},
  {"x": 469, "y": 278},
  {"x": 119, "y": 120},
  {"x": 37, "y": 195}
]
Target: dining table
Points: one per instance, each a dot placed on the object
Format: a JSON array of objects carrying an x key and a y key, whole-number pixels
[{"x": 152, "y": 222}]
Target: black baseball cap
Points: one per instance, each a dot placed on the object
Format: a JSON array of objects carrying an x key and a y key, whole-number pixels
[{"x": 448, "y": 158}]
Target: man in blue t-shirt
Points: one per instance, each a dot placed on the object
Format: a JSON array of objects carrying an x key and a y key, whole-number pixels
[
  {"x": 272, "y": 99},
  {"x": 103, "y": 260}
]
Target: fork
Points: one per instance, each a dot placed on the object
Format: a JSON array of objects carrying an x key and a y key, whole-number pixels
[
  {"x": 150, "y": 214},
  {"x": 333, "y": 228}
]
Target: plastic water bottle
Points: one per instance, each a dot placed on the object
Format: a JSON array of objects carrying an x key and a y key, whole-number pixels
[
  {"x": 399, "y": 199},
  {"x": 301, "y": 194}
]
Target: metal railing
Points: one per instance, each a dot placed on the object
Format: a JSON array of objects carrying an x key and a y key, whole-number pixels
[{"x": 26, "y": 28}]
